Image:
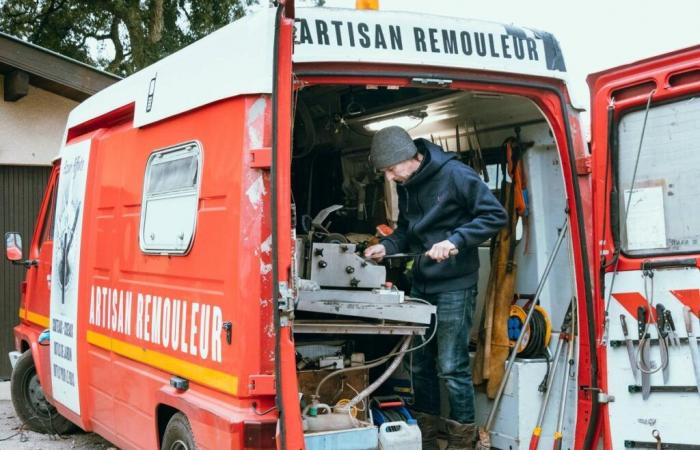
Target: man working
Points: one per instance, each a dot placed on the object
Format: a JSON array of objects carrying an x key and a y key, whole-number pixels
[{"x": 445, "y": 212}]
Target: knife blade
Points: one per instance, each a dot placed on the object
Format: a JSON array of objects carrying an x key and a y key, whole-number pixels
[
  {"x": 672, "y": 326},
  {"x": 692, "y": 345},
  {"x": 663, "y": 340},
  {"x": 644, "y": 351},
  {"x": 630, "y": 350}
]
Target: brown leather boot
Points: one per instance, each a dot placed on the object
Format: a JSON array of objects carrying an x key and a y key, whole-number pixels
[
  {"x": 460, "y": 436},
  {"x": 428, "y": 425}
]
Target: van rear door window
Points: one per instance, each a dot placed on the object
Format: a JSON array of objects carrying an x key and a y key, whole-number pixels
[
  {"x": 661, "y": 218},
  {"x": 170, "y": 199}
]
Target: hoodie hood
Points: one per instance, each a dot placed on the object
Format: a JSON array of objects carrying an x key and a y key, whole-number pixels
[{"x": 434, "y": 158}]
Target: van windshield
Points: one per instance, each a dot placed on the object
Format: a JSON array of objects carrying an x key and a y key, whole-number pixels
[{"x": 661, "y": 218}]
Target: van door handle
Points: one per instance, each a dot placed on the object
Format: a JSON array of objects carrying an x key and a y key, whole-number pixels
[{"x": 228, "y": 327}]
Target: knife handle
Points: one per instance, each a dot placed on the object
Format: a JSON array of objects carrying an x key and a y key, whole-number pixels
[
  {"x": 669, "y": 319},
  {"x": 661, "y": 319},
  {"x": 623, "y": 322},
  {"x": 641, "y": 321},
  {"x": 688, "y": 324}
]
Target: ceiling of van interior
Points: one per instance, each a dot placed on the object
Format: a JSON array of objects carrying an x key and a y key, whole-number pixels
[{"x": 421, "y": 111}]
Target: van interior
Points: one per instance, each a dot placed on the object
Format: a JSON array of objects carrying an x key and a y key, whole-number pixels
[{"x": 355, "y": 322}]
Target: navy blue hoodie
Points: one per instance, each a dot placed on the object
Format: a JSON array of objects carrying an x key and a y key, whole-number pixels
[{"x": 444, "y": 199}]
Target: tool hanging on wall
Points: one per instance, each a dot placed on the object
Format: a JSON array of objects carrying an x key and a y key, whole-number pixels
[
  {"x": 663, "y": 336},
  {"x": 493, "y": 345},
  {"x": 692, "y": 345},
  {"x": 673, "y": 338},
  {"x": 643, "y": 351},
  {"x": 537, "y": 334},
  {"x": 485, "y": 432},
  {"x": 564, "y": 335},
  {"x": 570, "y": 373},
  {"x": 630, "y": 350},
  {"x": 477, "y": 155},
  {"x": 658, "y": 445}
]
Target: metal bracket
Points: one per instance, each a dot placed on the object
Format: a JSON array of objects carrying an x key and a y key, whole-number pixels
[
  {"x": 603, "y": 397},
  {"x": 432, "y": 82},
  {"x": 285, "y": 303}
]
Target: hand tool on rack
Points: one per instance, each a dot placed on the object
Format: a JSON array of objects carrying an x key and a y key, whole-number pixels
[
  {"x": 656, "y": 435},
  {"x": 663, "y": 339},
  {"x": 658, "y": 445},
  {"x": 564, "y": 336},
  {"x": 485, "y": 432},
  {"x": 570, "y": 362},
  {"x": 635, "y": 389},
  {"x": 630, "y": 350},
  {"x": 692, "y": 345},
  {"x": 642, "y": 358},
  {"x": 674, "y": 339}
]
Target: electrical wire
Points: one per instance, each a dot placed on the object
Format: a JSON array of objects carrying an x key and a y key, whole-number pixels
[
  {"x": 412, "y": 349},
  {"x": 367, "y": 365},
  {"x": 616, "y": 256},
  {"x": 536, "y": 345}
]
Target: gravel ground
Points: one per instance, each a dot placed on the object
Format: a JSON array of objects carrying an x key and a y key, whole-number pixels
[{"x": 13, "y": 437}]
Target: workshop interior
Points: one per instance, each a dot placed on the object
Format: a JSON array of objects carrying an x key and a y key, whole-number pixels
[{"x": 355, "y": 323}]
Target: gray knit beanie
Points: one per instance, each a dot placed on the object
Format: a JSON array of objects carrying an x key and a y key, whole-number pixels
[{"x": 391, "y": 145}]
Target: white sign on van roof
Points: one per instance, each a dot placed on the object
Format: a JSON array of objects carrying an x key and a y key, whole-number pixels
[
  {"x": 238, "y": 58},
  {"x": 343, "y": 35}
]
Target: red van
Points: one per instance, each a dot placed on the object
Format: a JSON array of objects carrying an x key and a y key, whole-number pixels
[{"x": 197, "y": 258}]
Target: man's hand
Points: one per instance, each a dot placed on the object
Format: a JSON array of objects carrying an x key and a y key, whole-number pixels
[
  {"x": 441, "y": 251},
  {"x": 375, "y": 252}
]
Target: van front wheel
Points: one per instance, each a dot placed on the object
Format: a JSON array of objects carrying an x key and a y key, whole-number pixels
[
  {"x": 30, "y": 403},
  {"x": 178, "y": 434}
]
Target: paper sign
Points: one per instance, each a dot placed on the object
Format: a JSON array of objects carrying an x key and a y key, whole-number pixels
[{"x": 646, "y": 226}]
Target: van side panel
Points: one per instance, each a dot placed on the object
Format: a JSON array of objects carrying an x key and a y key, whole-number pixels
[{"x": 135, "y": 343}]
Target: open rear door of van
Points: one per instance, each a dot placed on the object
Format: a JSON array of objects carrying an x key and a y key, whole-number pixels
[
  {"x": 645, "y": 157},
  {"x": 289, "y": 431}
]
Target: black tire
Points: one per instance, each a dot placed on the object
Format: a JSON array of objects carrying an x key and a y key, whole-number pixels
[
  {"x": 30, "y": 404},
  {"x": 178, "y": 434}
]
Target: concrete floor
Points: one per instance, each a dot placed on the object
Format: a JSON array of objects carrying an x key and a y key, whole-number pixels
[{"x": 13, "y": 437}]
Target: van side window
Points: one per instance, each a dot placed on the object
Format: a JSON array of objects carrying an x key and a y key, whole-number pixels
[
  {"x": 47, "y": 230},
  {"x": 170, "y": 199},
  {"x": 661, "y": 217}
]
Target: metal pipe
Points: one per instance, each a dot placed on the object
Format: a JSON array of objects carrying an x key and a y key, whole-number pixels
[
  {"x": 513, "y": 354},
  {"x": 562, "y": 406},
  {"x": 535, "y": 439}
]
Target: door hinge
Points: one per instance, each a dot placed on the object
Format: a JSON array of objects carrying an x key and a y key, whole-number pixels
[
  {"x": 261, "y": 158},
  {"x": 285, "y": 303},
  {"x": 261, "y": 384},
  {"x": 583, "y": 165},
  {"x": 432, "y": 82}
]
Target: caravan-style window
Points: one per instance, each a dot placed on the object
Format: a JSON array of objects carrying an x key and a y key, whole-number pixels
[
  {"x": 170, "y": 199},
  {"x": 662, "y": 215}
]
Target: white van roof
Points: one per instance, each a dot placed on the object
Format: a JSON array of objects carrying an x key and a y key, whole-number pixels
[{"x": 237, "y": 59}]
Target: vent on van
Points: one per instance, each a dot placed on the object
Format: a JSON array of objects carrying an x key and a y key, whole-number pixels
[
  {"x": 687, "y": 77},
  {"x": 636, "y": 90}
]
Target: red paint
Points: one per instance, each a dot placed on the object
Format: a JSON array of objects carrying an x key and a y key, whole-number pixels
[
  {"x": 631, "y": 301},
  {"x": 689, "y": 297},
  {"x": 632, "y": 83}
]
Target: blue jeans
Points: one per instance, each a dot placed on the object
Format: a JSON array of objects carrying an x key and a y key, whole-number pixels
[{"x": 446, "y": 357}]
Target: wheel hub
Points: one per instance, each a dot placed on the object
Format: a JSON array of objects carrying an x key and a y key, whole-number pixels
[{"x": 36, "y": 396}]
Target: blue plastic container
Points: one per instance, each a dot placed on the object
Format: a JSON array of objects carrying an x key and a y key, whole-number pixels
[{"x": 355, "y": 439}]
